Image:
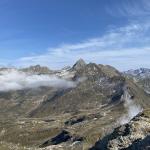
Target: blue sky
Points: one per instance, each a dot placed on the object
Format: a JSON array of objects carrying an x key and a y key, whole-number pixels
[{"x": 56, "y": 33}]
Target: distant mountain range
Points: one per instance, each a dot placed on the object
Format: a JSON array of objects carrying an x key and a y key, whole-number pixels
[
  {"x": 139, "y": 73},
  {"x": 72, "y": 108},
  {"x": 140, "y": 76}
]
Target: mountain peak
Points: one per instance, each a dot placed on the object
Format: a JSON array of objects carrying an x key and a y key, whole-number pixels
[
  {"x": 37, "y": 69},
  {"x": 79, "y": 64},
  {"x": 140, "y": 73}
]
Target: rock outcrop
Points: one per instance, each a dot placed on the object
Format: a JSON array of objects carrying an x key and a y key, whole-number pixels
[{"x": 134, "y": 135}]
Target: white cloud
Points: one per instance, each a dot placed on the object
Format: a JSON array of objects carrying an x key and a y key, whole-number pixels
[
  {"x": 17, "y": 80},
  {"x": 132, "y": 109},
  {"x": 126, "y": 47}
]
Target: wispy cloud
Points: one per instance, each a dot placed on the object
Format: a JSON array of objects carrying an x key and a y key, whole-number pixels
[
  {"x": 125, "y": 47},
  {"x": 130, "y": 8}
]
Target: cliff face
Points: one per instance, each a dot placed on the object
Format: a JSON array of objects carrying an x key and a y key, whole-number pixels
[{"x": 134, "y": 135}]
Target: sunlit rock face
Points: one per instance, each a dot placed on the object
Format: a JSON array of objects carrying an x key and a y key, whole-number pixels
[{"x": 131, "y": 136}]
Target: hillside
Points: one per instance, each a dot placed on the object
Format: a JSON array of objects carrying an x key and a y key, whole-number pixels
[{"x": 65, "y": 109}]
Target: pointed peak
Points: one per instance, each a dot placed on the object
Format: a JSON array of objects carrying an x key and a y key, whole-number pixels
[
  {"x": 81, "y": 60},
  {"x": 79, "y": 64}
]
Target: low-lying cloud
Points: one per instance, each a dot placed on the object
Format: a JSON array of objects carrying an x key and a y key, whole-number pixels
[
  {"x": 17, "y": 80},
  {"x": 132, "y": 109}
]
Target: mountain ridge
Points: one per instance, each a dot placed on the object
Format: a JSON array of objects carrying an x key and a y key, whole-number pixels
[{"x": 97, "y": 99}]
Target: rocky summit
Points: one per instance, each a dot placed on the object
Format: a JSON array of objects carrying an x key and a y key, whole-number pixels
[{"x": 86, "y": 106}]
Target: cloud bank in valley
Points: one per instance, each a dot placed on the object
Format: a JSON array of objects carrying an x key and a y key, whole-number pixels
[{"x": 17, "y": 80}]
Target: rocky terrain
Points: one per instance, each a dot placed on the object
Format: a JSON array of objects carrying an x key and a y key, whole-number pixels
[
  {"x": 139, "y": 73},
  {"x": 134, "y": 135},
  {"x": 73, "y": 108},
  {"x": 141, "y": 77}
]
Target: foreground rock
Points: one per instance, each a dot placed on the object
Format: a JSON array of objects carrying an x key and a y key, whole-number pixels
[{"x": 132, "y": 136}]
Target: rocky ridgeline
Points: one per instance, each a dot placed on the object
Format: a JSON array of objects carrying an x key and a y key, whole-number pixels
[
  {"x": 134, "y": 135},
  {"x": 139, "y": 73}
]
